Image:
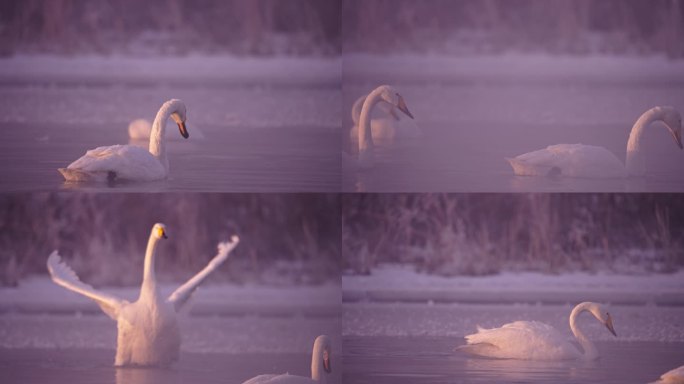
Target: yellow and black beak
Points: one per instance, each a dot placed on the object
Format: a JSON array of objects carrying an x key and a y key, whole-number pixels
[
  {"x": 327, "y": 366},
  {"x": 162, "y": 233},
  {"x": 402, "y": 107},
  {"x": 183, "y": 130},
  {"x": 609, "y": 325}
]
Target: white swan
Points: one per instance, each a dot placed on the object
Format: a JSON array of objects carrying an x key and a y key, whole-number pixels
[
  {"x": 383, "y": 93},
  {"x": 384, "y": 129},
  {"x": 147, "y": 328},
  {"x": 532, "y": 340},
  {"x": 321, "y": 367},
  {"x": 140, "y": 129},
  {"x": 129, "y": 162},
  {"x": 577, "y": 160},
  {"x": 675, "y": 376}
]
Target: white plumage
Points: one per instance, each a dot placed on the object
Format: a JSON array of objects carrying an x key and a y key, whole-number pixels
[
  {"x": 129, "y": 162},
  {"x": 148, "y": 332},
  {"x": 321, "y": 367},
  {"x": 578, "y": 160},
  {"x": 533, "y": 340}
]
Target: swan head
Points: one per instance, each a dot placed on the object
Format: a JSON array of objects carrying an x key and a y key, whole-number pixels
[
  {"x": 179, "y": 116},
  {"x": 602, "y": 315},
  {"x": 673, "y": 122},
  {"x": 159, "y": 231},
  {"x": 323, "y": 350},
  {"x": 391, "y": 96}
]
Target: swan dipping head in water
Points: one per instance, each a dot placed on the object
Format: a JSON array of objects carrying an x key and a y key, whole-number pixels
[
  {"x": 321, "y": 367},
  {"x": 578, "y": 160},
  {"x": 533, "y": 340},
  {"x": 383, "y": 93},
  {"x": 130, "y": 162},
  {"x": 148, "y": 333}
]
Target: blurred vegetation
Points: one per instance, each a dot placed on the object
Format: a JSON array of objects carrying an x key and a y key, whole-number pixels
[
  {"x": 479, "y": 234},
  {"x": 284, "y": 238},
  {"x": 173, "y": 27},
  {"x": 483, "y": 26}
]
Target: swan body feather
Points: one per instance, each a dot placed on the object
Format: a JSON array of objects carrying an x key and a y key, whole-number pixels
[
  {"x": 533, "y": 340},
  {"x": 675, "y": 376},
  {"x": 130, "y": 162},
  {"x": 569, "y": 160},
  {"x": 577, "y": 160}
]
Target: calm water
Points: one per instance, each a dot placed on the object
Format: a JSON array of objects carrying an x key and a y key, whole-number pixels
[
  {"x": 432, "y": 360},
  {"x": 68, "y": 348},
  {"x": 471, "y": 126},
  {"x": 413, "y": 343},
  {"x": 257, "y": 138}
]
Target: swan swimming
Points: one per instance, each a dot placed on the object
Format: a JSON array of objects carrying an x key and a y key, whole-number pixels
[
  {"x": 129, "y": 162},
  {"x": 533, "y": 340},
  {"x": 321, "y": 367},
  {"x": 386, "y": 129},
  {"x": 675, "y": 376},
  {"x": 148, "y": 331},
  {"x": 383, "y": 93},
  {"x": 578, "y": 160}
]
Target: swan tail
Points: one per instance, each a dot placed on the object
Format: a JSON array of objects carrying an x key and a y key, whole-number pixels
[
  {"x": 64, "y": 276},
  {"x": 524, "y": 168},
  {"x": 479, "y": 349},
  {"x": 77, "y": 175}
]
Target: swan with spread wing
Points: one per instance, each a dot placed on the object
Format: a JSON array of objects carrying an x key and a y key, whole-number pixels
[{"x": 148, "y": 332}]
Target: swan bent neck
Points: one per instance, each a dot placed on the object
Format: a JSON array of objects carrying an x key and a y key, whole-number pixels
[
  {"x": 320, "y": 359},
  {"x": 590, "y": 351},
  {"x": 634, "y": 161},
  {"x": 157, "y": 140},
  {"x": 365, "y": 136}
]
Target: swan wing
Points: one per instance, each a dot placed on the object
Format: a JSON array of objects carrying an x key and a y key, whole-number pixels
[
  {"x": 181, "y": 295},
  {"x": 279, "y": 379},
  {"x": 530, "y": 340},
  {"x": 573, "y": 160},
  {"x": 126, "y": 162},
  {"x": 63, "y": 275}
]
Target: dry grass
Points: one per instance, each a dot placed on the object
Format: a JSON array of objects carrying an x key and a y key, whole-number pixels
[
  {"x": 477, "y": 234},
  {"x": 104, "y": 235}
]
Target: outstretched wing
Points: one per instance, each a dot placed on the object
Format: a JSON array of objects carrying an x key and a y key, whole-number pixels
[
  {"x": 181, "y": 295},
  {"x": 63, "y": 275}
]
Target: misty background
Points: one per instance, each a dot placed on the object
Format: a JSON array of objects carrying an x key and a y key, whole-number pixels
[
  {"x": 285, "y": 239},
  {"x": 483, "y": 234},
  {"x": 624, "y": 27},
  {"x": 170, "y": 27}
]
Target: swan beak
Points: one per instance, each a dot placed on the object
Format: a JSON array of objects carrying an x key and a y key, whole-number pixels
[
  {"x": 609, "y": 325},
  {"x": 402, "y": 107},
  {"x": 183, "y": 130},
  {"x": 326, "y": 361}
]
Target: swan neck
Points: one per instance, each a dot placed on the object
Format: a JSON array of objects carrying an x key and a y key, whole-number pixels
[
  {"x": 634, "y": 160},
  {"x": 590, "y": 351},
  {"x": 157, "y": 134},
  {"x": 356, "y": 109},
  {"x": 149, "y": 285},
  {"x": 317, "y": 372},
  {"x": 365, "y": 136}
]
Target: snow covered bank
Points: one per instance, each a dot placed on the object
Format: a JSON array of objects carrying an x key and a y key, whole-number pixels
[
  {"x": 192, "y": 69},
  {"x": 407, "y": 68},
  {"x": 399, "y": 283},
  {"x": 40, "y": 295}
]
